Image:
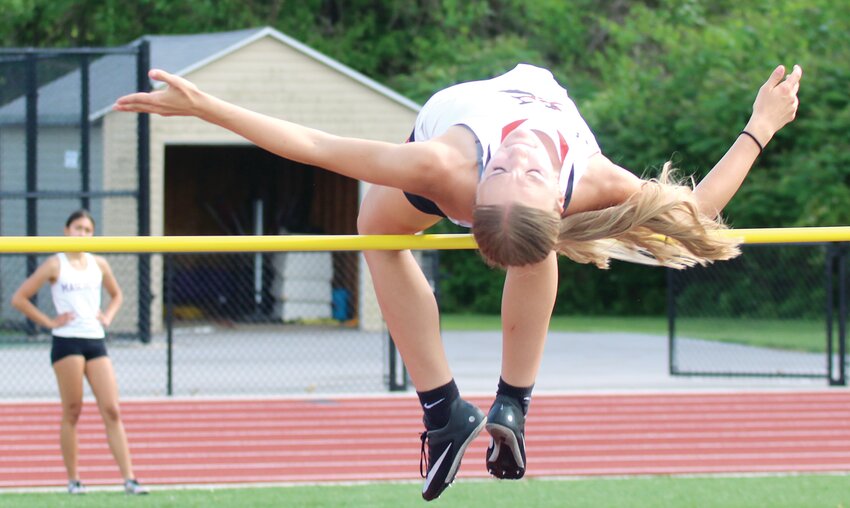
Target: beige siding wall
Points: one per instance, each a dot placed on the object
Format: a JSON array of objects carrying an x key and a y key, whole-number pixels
[
  {"x": 273, "y": 78},
  {"x": 120, "y": 215},
  {"x": 121, "y": 173}
]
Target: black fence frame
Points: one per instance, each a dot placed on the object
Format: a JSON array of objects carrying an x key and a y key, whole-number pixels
[{"x": 30, "y": 57}]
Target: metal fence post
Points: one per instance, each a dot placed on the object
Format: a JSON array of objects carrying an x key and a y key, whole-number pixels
[
  {"x": 671, "y": 321},
  {"x": 85, "y": 134},
  {"x": 169, "y": 322},
  {"x": 839, "y": 378},
  {"x": 836, "y": 347},
  {"x": 143, "y": 201},
  {"x": 398, "y": 371},
  {"x": 829, "y": 268},
  {"x": 32, "y": 166}
]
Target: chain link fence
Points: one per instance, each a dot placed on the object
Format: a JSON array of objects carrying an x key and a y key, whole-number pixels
[
  {"x": 229, "y": 324},
  {"x": 769, "y": 312},
  {"x": 200, "y": 324},
  {"x": 300, "y": 323}
]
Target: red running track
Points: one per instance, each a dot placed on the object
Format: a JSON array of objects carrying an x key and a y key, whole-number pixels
[{"x": 352, "y": 439}]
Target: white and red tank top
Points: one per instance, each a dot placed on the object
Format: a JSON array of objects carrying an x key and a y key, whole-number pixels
[{"x": 491, "y": 109}]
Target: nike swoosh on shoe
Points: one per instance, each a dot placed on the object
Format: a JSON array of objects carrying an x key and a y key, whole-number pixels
[{"x": 435, "y": 468}]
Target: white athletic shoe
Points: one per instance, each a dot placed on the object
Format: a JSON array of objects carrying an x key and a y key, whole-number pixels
[
  {"x": 75, "y": 487},
  {"x": 132, "y": 487}
]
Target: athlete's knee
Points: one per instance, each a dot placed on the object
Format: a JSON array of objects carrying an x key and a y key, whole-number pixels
[
  {"x": 363, "y": 224},
  {"x": 110, "y": 413},
  {"x": 367, "y": 221},
  {"x": 71, "y": 412}
]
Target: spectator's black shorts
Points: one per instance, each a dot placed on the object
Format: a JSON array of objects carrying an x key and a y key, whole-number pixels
[{"x": 87, "y": 348}]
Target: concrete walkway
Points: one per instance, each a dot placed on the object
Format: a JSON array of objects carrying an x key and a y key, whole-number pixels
[
  {"x": 274, "y": 361},
  {"x": 628, "y": 362}
]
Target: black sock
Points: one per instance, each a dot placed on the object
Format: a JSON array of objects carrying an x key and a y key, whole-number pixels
[
  {"x": 436, "y": 404},
  {"x": 521, "y": 395}
]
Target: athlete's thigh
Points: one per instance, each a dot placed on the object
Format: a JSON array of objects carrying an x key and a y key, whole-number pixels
[
  {"x": 101, "y": 376},
  {"x": 386, "y": 210},
  {"x": 69, "y": 376}
]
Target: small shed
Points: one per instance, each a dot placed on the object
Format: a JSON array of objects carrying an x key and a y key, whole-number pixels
[{"x": 203, "y": 179}]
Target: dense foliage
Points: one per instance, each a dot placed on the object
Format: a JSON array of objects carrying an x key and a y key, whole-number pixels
[{"x": 657, "y": 80}]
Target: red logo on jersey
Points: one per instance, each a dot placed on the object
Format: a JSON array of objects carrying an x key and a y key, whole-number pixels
[{"x": 563, "y": 147}]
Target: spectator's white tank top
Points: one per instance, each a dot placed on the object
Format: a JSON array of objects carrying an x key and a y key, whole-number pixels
[{"x": 78, "y": 292}]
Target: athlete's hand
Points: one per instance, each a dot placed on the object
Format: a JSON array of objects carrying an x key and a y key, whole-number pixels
[
  {"x": 104, "y": 319},
  {"x": 776, "y": 103},
  {"x": 178, "y": 98},
  {"x": 61, "y": 320}
]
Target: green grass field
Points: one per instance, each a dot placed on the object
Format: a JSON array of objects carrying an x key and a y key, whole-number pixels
[
  {"x": 821, "y": 491},
  {"x": 797, "y": 335}
]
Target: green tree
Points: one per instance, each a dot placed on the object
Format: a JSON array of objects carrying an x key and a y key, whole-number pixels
[{"x": 657, "y": 80}]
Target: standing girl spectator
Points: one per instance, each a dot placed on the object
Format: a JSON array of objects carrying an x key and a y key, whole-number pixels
[{"x": 79, "y": 349}]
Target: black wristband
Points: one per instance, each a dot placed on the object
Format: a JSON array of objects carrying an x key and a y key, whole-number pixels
[{"x": 761, "y": 148}]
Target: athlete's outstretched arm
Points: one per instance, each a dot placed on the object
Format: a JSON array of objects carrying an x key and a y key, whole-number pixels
[
  {"x": 403, "y": 166},
  {"x": 775, "y": 106}
]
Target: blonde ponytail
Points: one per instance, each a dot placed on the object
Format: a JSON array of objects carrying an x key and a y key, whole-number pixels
[{"x": 660, "y": 225}]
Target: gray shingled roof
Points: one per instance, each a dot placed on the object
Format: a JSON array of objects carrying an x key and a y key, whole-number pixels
[{"x": 115, "y": 75}]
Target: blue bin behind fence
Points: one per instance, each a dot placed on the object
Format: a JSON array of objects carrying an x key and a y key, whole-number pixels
[{"x": 341, "y": 304}]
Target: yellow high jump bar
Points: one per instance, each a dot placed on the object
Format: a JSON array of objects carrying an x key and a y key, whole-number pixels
[{"x": 135, "y": 244}]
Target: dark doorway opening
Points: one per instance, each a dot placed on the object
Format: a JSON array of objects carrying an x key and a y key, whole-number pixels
[{"x": 244, "y": 190}]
